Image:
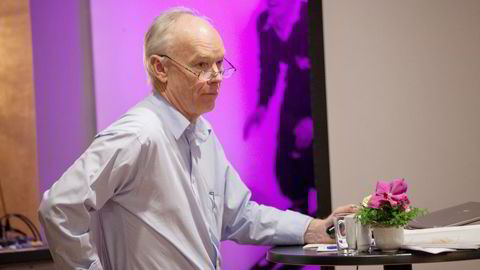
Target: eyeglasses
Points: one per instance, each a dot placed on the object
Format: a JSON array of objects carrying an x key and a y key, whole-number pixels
[{"x": 207, "y": 75}]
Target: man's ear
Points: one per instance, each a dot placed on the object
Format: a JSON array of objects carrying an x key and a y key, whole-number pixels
[{"x": 159, "y": 69}]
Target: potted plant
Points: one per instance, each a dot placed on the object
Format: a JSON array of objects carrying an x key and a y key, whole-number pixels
[{"x": 387, "y": 211}]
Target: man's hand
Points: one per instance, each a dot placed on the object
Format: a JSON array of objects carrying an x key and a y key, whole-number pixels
[
  {"x": 316, "y": 232},
  {"x": 317, "y": 229}
]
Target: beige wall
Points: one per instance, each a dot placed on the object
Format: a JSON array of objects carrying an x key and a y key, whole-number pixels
[
  {"x": 403, "y": 97},
  {"x": 18, "y": 175}
]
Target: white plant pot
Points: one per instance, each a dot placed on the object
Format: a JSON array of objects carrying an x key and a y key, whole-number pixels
[{"x": 388, "y": 239}]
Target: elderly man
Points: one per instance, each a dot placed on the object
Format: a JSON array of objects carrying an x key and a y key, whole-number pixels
[{"x": 155, "y": 190}]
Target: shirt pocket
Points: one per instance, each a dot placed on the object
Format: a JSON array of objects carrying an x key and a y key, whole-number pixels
[{"x": 216, "y": 206}]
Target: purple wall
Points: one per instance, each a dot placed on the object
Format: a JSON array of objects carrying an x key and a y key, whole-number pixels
[{"x": 65, "y": 112}]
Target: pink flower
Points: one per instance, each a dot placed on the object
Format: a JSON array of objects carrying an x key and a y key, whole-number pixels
[{"x": 393, "y": 193}]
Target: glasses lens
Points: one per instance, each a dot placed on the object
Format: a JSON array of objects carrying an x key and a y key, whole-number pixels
[
  {"x": 227, "y": 73},
  {"x": 208, "y": 75},
  {"x": 205, "y": 75}
]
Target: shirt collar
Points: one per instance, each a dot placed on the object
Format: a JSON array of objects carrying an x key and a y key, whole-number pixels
[
  {"x": 177, "y": 123},
  {"x": 201, "y": 129}
]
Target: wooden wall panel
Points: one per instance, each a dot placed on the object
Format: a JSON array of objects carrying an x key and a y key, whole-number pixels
[{"x": 18, "y": 175}]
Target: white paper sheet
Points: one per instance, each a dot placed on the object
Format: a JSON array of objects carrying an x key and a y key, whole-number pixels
[{"x": 444, "y": 239}]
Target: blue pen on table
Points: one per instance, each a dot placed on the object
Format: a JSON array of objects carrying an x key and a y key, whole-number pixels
[
  {"x": 327, "y": 248},
  {"x": 321, "y": 247}
]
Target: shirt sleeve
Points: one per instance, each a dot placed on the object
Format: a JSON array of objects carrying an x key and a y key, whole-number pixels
[
  {"x": 108, "y": 167},
  {"x": 245, "y": 221}
]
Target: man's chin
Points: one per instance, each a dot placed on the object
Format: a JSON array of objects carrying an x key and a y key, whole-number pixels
[
  {"x": 208, "y": 107},
  {"x": 211, "y": 107}
]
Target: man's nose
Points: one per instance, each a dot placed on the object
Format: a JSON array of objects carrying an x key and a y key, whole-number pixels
[
  {"x": 215, "y": 68},
  {"x": 217, "y": 75}
]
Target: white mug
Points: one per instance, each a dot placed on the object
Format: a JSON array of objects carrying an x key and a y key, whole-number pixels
[{"x": 358, "y": 236}]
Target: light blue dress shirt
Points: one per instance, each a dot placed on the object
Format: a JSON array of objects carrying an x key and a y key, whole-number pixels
[{"x": 154, "y": 191}]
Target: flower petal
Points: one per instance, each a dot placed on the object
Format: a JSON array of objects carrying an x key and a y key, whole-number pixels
[
  {"x": 366, "y": 200},
  {"x": 376, "y": 201},
  {"x": 382, "y": 187},
  {"x": 401, "y": 198},
  {"x": 393, "y": 203},
  {"x": 398, "y": 186}
]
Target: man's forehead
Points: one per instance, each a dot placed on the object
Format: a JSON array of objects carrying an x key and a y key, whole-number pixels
[{"x": 196, "y": 37}]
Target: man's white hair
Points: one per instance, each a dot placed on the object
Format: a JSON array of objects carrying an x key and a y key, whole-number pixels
[{"x": 158, "y": 39}]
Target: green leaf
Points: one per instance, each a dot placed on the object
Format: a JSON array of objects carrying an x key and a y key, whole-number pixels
[{"x": 387, "y": 216}]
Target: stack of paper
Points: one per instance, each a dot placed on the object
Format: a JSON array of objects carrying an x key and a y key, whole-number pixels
[{"x": 437, "y": 240}]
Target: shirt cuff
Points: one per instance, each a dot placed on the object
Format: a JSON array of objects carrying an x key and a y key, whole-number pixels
[{"x": 291, "y": 228}]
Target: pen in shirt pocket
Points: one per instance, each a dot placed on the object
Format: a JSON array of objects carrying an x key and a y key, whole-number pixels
[{"x": 212, "y": 194}]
